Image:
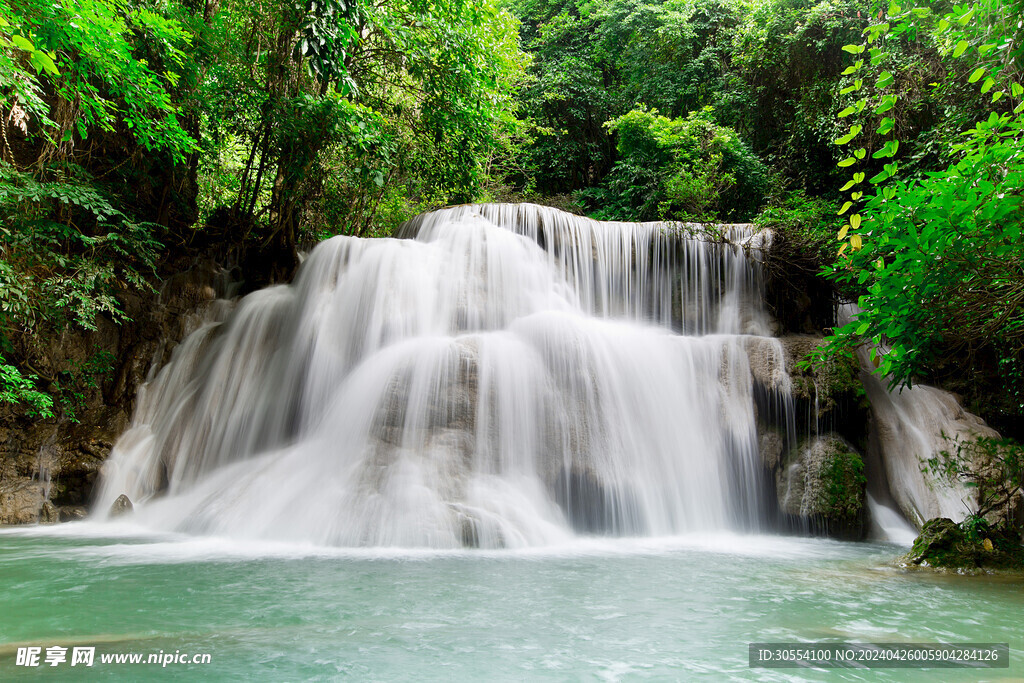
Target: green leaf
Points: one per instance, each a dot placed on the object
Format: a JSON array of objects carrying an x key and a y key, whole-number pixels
[
  {"x": 889, "y": 149},
  {"x": 987, "y": 85},
  {"x": 885, "y": 126},
  {"x": 23, "y": 43},
  {"x": 887, "y": 103},
  {"x": 978, "y": 73},
  {"x": 848, "y": 111},
  {"x": 851, "y": 88},
  {"x": 848, "y": 161},
  {"x": 960, "y": 48},
  {"x": 854, "y": 132},
  {"x": 853, "y": 49},
  {"x": 885, "y": 79}
]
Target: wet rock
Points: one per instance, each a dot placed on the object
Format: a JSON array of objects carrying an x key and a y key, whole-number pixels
[
  {"x": 72, "y": 513},
  {"x": 48, "y": 513},
  {"x": 121, "y": 506},
  {"x": 20, "y": 501},
  {"x": 770, "y": 443},
  {"x": 822, "y": 485},
  {"x": 944, "y": 544}
]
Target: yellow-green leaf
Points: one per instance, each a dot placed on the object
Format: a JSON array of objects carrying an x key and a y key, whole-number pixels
[
  {"x": 848, "y": 161},
  {"x": 853, "y": 49},
  {"x": 987, "y": 85},
  {"x": 842, "y": 233},
  {"x": 889, "y": 149},
  {"x": 849, "y": 183},
  {"x": 844, "y": 208},
  {"x": 978, "y": 73},
  {"x": 855, "y": 221},
  {"x": 856, "y": 242},
  {"x": 887, "y": 103},
  {"x": 22, "y": 42},
  {"x": 960, "y": 48}
]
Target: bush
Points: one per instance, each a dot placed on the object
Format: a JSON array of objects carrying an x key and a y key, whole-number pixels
[{"x": 680, "y": 169}]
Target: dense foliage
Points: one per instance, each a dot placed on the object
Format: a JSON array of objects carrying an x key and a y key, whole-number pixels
[
  {"x": 679, "y": 169},
  {"x": 935, "y": 253},
  {"x": 128, "y": 125}
]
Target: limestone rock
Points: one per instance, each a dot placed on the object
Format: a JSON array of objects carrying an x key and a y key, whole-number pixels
[
  {"x": 770, "y": 444},
  {"x": 48, "y": 513},
  {"x": 121, "y": 506},
  {"x": 943, "y": 544},
  {"x": 20, "y": 501},
  {"x": 71, "y": 513},
  {"x": 822, "y": 483}
]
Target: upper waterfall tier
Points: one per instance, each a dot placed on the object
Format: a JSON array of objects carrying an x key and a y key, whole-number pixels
[
  {"x": 696, "y": 277},
  {"x": 511, "y": 375}
]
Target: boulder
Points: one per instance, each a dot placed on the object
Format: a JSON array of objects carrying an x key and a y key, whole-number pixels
[
  {"x": 821, "y": 484},
  {"x": 71, "y": 513},
  {"x": 944, "y": 544},
  {"x": 121, "y": 506},
  {"x": 20, "y": 501},
  {"x": 48, "y": 513}
]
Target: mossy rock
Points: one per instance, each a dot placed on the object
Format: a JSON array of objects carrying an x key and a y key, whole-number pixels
[
  {"x": 943, "y": 544},
  {"x": 832, "y": 381},
  {"x": 823, "y": 483}
]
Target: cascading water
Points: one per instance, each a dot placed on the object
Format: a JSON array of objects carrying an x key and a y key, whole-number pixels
[
  {"x": 508, "y": 375},
  {"x": 909, "y": 427}
]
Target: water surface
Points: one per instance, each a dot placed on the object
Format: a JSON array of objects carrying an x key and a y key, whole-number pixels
[{"x": 600, "y": 609}]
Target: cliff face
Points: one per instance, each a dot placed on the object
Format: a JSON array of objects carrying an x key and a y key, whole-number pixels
[{"x": 48, "y": 468}]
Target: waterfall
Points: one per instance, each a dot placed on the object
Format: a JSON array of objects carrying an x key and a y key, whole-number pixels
[
  {"x": 909, "y": 426},
  {"x": 500, "y": 376}
]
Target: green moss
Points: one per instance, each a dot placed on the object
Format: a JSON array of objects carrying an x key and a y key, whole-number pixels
[
  {"x": 832, "y": 380},
  {"x": 842, "y": 492},
  {"x": 946, "y": 545}
]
